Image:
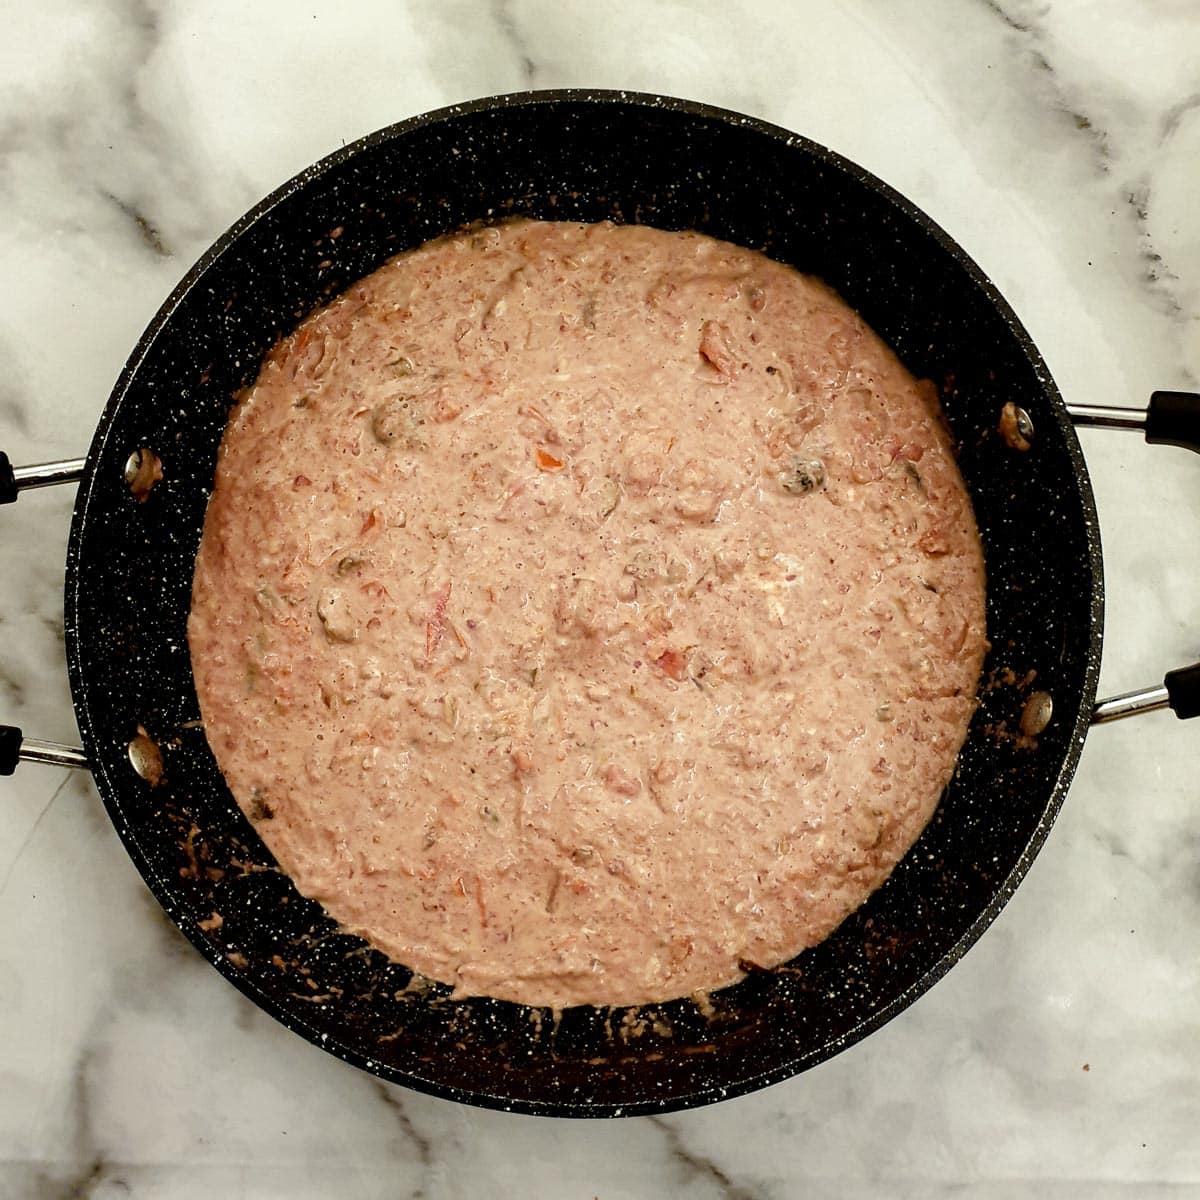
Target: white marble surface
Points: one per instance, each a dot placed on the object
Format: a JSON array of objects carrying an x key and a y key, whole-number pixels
[{"x": 1059, "y": 142}]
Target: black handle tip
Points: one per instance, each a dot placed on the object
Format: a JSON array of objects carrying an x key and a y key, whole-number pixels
[
  {"x": 1173, "y": 419},
  {"x": 1183, "y": 690},
  {"x": 10, "y": 748},
  {"x": 8, "y": 481}
]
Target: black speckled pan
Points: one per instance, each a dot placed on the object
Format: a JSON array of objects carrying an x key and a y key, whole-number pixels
[{"x": 581, "y": 156}]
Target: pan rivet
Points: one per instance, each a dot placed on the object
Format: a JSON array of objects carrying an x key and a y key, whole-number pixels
[
  {"x": 146, "y": 758},
  {"x": 143, "y": 469},
  {"x": 1016, "y": 426},
  {"x": 1036, "y": 714}
]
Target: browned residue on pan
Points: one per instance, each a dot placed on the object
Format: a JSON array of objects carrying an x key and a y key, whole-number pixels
[
  {"x": 1014, "y": 427},
  {"x": 637, "y": 1022},
  {"x": 199, "y": 865},
  {"x": 143, "y": 470},
  {"x": 1032, "y": 718}
]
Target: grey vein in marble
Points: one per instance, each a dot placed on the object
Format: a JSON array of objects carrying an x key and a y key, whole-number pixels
[
  {"x": 394, "y": 1100},
  {"x": 1113, "y": 149},
  {"x": 145, "y": 227},
  {"x": 33, "y": 830},
  {"x": 699, "y": 1173},
  {"x": 506, "y": 22}
]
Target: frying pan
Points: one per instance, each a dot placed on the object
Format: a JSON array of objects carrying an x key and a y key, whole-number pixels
[{"x": 577, "y": 155}]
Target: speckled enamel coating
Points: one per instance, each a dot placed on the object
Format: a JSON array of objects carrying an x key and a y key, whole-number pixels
[{"x": 580, "y": 156}]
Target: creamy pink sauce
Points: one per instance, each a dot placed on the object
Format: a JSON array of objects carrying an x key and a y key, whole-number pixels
[{"x": 586, "y": 612}]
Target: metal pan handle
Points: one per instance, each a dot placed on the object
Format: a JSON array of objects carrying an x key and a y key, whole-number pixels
[
  {"x": 1180, "y": 692},
  {"x": 14, "y": 746},
  {"x": 1170, "y": 419},
  {"x": 14, "y": 480}
]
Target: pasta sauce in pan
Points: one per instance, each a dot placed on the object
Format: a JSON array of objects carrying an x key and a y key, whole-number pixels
[{"x": 587, "y": 612}]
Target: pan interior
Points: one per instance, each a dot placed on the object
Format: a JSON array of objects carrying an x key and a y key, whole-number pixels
[{"x": 577, "y": 156}]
